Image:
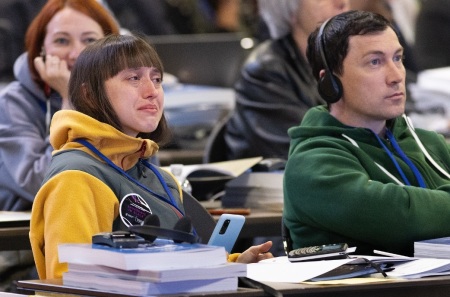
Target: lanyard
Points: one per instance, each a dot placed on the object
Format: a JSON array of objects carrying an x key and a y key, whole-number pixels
[
  {"x": 402, "y": 155},
  {"x": 171, "y": 202}
]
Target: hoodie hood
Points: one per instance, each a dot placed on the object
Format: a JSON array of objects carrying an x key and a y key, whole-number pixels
[
  {"x": 123, "y": 150},
  {"x": 22, "y": 74}
]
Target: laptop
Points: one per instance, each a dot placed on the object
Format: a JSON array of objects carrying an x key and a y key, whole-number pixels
[{"x": 211, "y": 59}]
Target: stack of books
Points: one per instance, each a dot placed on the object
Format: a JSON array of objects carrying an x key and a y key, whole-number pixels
[
  {"x": 163, "y": 267},
  {"x": 433, "y": 248},
  {"x": 256, "y": 190}
]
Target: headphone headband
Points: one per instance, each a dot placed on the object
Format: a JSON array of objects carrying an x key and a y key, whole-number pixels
[
  {"x": 321, "y": 44},
  {"x": 151, "y": 232}
]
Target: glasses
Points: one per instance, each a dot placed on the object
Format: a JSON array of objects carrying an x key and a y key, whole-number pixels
[{"x": 379, "y": 267}]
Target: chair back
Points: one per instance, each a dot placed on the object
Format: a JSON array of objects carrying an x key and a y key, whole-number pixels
[
  {"x": 216, "y": 147},
  {"x": 286, "y": 236},
  {"x": 202, "y": 221}
]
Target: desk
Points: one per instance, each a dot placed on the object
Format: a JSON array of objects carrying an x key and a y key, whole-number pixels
[
  {"x": 15, "y": 227},
  {"x": 260, "y": 223},
  {"x": 55, "y": 286},
  {"x": 14, "y": 230},
  {"x": 427, "y": 287}
]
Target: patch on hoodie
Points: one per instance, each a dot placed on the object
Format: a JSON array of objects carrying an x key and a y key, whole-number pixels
[{"x": 133, "y": 209}]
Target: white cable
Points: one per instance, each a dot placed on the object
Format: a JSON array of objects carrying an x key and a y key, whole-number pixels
[
  {"x": 352, "y": 141},
  {"x": 389, "y": 174},
  {"x": 422, "y": 147}
]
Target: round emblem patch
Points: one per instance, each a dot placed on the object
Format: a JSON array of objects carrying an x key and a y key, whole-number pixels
[{"x": 133, "y": 209}]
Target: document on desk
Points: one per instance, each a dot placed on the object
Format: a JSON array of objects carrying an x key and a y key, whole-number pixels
[
  {"x": 421, "y": 267},
  {"x": 279, "y": 269},
  {"x": 231, "y": 168}
]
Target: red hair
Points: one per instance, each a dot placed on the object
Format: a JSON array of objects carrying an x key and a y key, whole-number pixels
[{"x": 34, "y": 38}]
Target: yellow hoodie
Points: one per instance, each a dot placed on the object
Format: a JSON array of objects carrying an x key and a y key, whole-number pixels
[{"x": 74, "y": 202}]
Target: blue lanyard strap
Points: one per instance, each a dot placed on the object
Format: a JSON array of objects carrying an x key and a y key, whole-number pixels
[
  {"x": 402, "y": 155},
  {"x": 129, "y": 177}
]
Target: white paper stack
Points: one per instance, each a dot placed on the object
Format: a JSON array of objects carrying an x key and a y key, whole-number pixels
[{"x": 433, "y": 248}]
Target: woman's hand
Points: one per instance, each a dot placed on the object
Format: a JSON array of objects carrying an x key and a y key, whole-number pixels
[
  {"x": 56, "y": 74},
  {"x": 256, "y": 253}
]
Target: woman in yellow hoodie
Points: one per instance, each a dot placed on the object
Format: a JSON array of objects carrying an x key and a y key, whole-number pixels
[{"x": 99, "y": 179}]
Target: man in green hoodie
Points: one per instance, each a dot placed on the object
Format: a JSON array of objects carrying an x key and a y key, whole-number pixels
[{"x": 358, "y": 172}]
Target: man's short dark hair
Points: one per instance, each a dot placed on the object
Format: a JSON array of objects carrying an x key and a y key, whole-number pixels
[{"x": 336, "y": 35}]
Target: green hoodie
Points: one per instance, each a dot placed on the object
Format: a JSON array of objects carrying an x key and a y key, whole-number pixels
[{"x": 335, "y": 190}]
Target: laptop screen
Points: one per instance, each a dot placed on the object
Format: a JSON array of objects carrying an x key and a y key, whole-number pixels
[{"x": 203, "y": 59}]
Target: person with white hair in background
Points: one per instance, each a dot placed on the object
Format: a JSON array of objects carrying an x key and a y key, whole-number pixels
[{"x": 276, "y": 86}]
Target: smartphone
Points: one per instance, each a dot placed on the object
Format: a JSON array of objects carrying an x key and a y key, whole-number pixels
[
  {"x": 227, "y": 231},
  {"x": 319, "y": 252},
  {"x": 43, "y": 54}
]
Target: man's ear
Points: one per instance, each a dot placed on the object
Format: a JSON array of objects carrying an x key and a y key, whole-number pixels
[{"x": 321, "y": 73}]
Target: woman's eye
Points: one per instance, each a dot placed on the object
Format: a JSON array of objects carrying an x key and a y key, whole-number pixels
[
  {"x": 89, "y": 40},
  {"x": 62, "y": 41}
]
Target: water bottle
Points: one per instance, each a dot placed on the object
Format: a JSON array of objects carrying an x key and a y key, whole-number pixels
[{"x": 177, "y": 170}]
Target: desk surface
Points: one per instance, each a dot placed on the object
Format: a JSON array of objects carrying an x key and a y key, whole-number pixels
[
  {"x": 15, "y": 228},
  {"x": 14, "y": 218},
  {"x": 427, "y": 287},
  {"x": 56, "y": 286}
]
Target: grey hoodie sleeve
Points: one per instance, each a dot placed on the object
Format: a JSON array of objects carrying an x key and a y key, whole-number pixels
[{"x": 25, "y": 151}]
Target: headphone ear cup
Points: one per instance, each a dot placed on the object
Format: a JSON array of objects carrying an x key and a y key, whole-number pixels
[
  {"x": 330, "y": 87},
  {"x": 183, "y": 225},
  {"x": 152, "y": 220}
]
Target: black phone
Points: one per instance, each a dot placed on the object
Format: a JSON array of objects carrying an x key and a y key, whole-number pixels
[
  {"x": 43, "y": 54},
  {"x": 319, "y": 252},
  {"x": 116, "y": 239}
]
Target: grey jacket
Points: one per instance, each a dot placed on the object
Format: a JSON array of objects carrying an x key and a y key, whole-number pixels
[{"x": 25, "y": 151}]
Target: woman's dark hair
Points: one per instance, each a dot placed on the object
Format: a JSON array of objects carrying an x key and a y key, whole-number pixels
[
  {"x": 35, "y": 35},
  {"x": 336, "y": 35},
  {"x": 102, "y": 60}
]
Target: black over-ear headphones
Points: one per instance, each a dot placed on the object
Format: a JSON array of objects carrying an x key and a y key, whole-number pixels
[
  {"x": 330, "y": 86},
  {"x": 150, "y": 230},
  {"x": 147, "y": 233}
]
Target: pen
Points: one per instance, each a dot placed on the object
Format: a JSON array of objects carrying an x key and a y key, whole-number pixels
[{"x": 389, "y": 254}]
